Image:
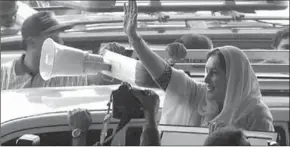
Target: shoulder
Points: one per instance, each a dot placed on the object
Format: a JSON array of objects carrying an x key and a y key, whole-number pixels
[
  {"x": 260, "y": 119},
  {"x": 261, "y": 111}
]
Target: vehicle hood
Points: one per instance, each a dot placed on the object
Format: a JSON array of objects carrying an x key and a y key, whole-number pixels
[{"x": 33, "y": 101}]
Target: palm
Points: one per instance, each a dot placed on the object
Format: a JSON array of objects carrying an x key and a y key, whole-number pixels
[{"x": 130, "y": 19}]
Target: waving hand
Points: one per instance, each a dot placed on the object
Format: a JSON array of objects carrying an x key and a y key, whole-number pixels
[{"x": 130, "y": 18}]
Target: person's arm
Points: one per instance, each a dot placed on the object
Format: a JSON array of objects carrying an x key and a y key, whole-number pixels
[
  {"x": 80, "y": 121},
  {"x": 154, "y": 64},
  {"x": 81, "y": 140},
  {"x": 176, "y": 83},
  {"x": 150, "y": 104},
  {"x": 150, "y": 134}
]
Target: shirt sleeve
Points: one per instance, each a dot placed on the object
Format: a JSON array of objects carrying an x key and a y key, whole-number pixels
[
  {"x": 182, "y": 96},
  {"x": 164, "y": 79}
]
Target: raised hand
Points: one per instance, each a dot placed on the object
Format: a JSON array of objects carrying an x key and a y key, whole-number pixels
[
  {"x": 79, "y": 119},
  {"x": 130, "y": 18}
]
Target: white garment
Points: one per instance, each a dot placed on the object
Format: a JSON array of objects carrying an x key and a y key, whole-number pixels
[
  {"x": 181, "y": 100},
  {"x": 9, "y": 79},
  {"x": 243, "y": 91},
  {"x": 186, "y": 103}
]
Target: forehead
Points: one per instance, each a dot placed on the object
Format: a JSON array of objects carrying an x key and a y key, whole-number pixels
[{"x": 213, "y": 62}]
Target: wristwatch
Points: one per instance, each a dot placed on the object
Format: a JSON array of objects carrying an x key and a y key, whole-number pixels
[{"x": 77, "y": 133}]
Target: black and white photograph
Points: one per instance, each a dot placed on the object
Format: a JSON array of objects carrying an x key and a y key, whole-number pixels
[{"x": 145, "y": 73}]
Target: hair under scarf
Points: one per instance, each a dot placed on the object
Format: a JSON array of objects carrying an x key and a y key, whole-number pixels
[{"x": 242, "y": 92}]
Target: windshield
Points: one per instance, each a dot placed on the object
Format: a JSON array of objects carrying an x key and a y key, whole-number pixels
[{"x": 92, "y": 29}]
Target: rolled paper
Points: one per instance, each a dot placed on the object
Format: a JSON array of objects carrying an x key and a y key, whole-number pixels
[
  {"x": 94, "y": 63},
  {"x": 122, "y": 67}
]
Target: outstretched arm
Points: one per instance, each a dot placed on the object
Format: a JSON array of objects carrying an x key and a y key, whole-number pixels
[
  {"x": 154, "y": 64},
  {"x": 79, "y": 120}
]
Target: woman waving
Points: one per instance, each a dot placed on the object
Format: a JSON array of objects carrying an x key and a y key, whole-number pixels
[{"x": 229, "y": 95}]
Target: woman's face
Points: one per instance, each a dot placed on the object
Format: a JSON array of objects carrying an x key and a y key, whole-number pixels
[{"x": 215, "y": 78}]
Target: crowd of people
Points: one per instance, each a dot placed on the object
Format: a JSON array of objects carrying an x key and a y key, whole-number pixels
[{"x": 228, "y": 101}]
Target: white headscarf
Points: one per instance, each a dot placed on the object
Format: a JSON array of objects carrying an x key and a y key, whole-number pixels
[{"x": 242, "y": 92}]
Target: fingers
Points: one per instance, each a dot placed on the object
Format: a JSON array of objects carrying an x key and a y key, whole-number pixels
[
  {"x": 135, "y": 19},
  {"x": 211, "y": 127},
  {"x": 79, "y": 112},
  {"x": 89, "y": 116},
  {"x": 138, "y": 94},
  {"x": 220, "y": 125},
  {"x": 88, "y": 113},
  {"x": 69, "y": 116},
  {"x": 135, "y": 7},
  {"x": 216, "y": 126},
  {"x": 125, "y": 8},
  {"x": 130, "y": 6}
]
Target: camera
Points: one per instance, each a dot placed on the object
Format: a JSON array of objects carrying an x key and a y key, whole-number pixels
[{"x": 125, "y": 103}]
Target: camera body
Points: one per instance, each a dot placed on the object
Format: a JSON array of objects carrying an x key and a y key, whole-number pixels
[{"x": 125, "y": 103}]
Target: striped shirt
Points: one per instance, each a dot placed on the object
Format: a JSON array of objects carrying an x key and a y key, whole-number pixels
[{"x": 9, "y": 79}]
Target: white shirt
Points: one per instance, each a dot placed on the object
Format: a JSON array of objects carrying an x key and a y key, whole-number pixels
[{"x": 9, "y": 79}]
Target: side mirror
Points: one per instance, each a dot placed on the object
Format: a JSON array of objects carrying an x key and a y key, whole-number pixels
[{"x": 28, "y": 140}]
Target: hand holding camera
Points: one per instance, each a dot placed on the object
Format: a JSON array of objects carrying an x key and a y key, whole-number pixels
[
  {"x": 134, "y": 103},
  {"x": 149, "y": 101},
  {"x": 79, "y": 119}
]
